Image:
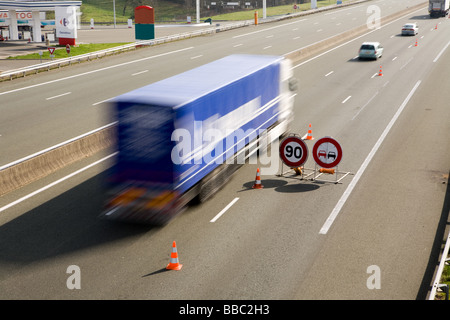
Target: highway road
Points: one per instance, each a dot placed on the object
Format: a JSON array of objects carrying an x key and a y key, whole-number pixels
[{"x": 294, "y": 239}]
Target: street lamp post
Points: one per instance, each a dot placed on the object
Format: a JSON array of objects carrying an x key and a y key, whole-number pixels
[
  {"x": 114, "y": 5},
  {"x": 197, "y": 9}
]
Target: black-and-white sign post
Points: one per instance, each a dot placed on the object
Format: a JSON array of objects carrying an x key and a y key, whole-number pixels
[{"x": 293, "y": 152}]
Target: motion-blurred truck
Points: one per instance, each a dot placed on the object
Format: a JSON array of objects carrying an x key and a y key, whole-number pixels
[
  {"x": 438, "y": 8},
  {"x": 182, "y": 138}
]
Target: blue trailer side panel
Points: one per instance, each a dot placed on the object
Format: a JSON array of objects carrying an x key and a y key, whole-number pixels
[
  {"x": 173, "y": 133},
  {"x": 236, "y": 92},
  {"x": 248, "y": 104},
  {"x": 144, "y": 152}
]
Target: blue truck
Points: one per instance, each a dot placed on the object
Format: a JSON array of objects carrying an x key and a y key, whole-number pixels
[{"x": 181, "y": 138}]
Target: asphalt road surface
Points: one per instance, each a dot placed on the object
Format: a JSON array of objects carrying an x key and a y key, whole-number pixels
[{"x": 373, "y": 236}]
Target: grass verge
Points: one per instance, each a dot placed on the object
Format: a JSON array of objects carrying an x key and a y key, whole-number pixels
[
  {"x": 60, "y": 51},
  {"x": 271, "y": 11},
  {"x": 445, "y": 279}
]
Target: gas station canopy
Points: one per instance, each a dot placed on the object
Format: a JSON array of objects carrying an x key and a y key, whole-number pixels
[{"x": 33, "y": 6}]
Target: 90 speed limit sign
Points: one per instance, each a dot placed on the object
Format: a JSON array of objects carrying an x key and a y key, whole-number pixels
[{"x": 293, "y": 152}]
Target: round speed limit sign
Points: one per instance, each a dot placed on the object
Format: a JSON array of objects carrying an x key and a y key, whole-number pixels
[{"x": 293, "y": 152}]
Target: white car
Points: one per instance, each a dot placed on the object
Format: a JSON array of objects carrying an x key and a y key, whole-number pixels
[
  {"x": 370, "y": 50},
  {"x": 410, "y": 29}
]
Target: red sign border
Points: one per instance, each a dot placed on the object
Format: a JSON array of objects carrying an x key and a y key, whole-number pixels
[
  {"x": 304, "y": 156},
  {"x": 51, "y": 50},
  {"x": 333, "y": 142}
]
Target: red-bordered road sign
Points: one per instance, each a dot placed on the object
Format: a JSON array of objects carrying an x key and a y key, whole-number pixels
[
  {"x": 68, "y": 48},
  {"x": 51, "y": 49},
  {"x": 293, "y": 151},
  {"x": 327, "y": 152}
]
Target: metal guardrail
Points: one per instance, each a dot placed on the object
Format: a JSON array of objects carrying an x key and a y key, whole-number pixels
[
  {"x": 22, "y": 72},
  {"x": 436, "y": 284},
  {"x": 45, "y": 66}
]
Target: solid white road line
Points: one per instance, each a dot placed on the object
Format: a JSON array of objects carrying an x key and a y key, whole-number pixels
[
  {"x": 94, "y": 104},
  {"x": 54, "y": 183},
  {"x": 96, "y": 70},
  {"x": 365, "y": 164},
  {"x": 55, "y": 146},
  {"x": 224, "y": 210},
  {"x": 263, "y": 30},
  {"x": 442, "y": 51},
  {"x": 343, "y": 44},
  {"x": 362, "y": 108},
  {"x": 339, "y": 11}
]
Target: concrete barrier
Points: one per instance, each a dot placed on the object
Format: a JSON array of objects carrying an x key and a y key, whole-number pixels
[
  {"x": 316, "y": 48},
  {"x": 41, "y": 165},
  {"x": 37, "y": 167}
]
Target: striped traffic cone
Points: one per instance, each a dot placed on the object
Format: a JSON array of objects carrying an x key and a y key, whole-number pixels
[
  {"x": 309, "y": 136},
  {"x": 380, "y": 73},
  {"x": 258, "y": 184},
  {"x": 174, "y": 264}
]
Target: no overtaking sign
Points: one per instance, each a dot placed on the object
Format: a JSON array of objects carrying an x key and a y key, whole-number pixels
[{"x": 327, "y": 152}]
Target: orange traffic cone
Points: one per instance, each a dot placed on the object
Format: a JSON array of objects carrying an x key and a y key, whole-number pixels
[
  {"x": 309, "y": 136},
  {"x": 258, "y": 184},
  {"x": 435, "y": 27},
  {"x": 415, "y": 44},
  {"x": 380, "y": 73},
  {"x": 174, "y": 264}
]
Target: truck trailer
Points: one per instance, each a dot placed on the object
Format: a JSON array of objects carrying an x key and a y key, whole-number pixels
[
  {"x": 438, "y": 8},
  {"x": 181, "y": 138}
]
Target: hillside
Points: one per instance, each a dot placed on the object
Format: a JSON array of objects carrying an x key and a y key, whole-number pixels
[{"x": 102, "y": 11}]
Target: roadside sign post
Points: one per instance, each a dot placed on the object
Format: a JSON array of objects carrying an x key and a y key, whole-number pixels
[
  {"x": 40, "y": 55},
  {"x": 293, "y": 152},
  {"x": 327, "y": 154},
  {"x": 68, "y": 49},
  {"x": 52, "y": 51}
]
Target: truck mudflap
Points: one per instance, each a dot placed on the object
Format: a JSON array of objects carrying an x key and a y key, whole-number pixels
[{"x": 143, "y": 206}]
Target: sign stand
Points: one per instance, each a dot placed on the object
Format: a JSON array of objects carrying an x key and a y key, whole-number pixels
[
  {"x": 327, "y": 154},
  {"x": 334, "y": 172},
  {"x": 293, "y": 153}
]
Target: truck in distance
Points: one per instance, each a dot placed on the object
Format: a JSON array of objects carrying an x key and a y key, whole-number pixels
[{"x": 438, "y": 8}]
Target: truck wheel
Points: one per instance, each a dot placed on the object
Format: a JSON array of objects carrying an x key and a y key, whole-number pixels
[{"x": 215, "y": 181}]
